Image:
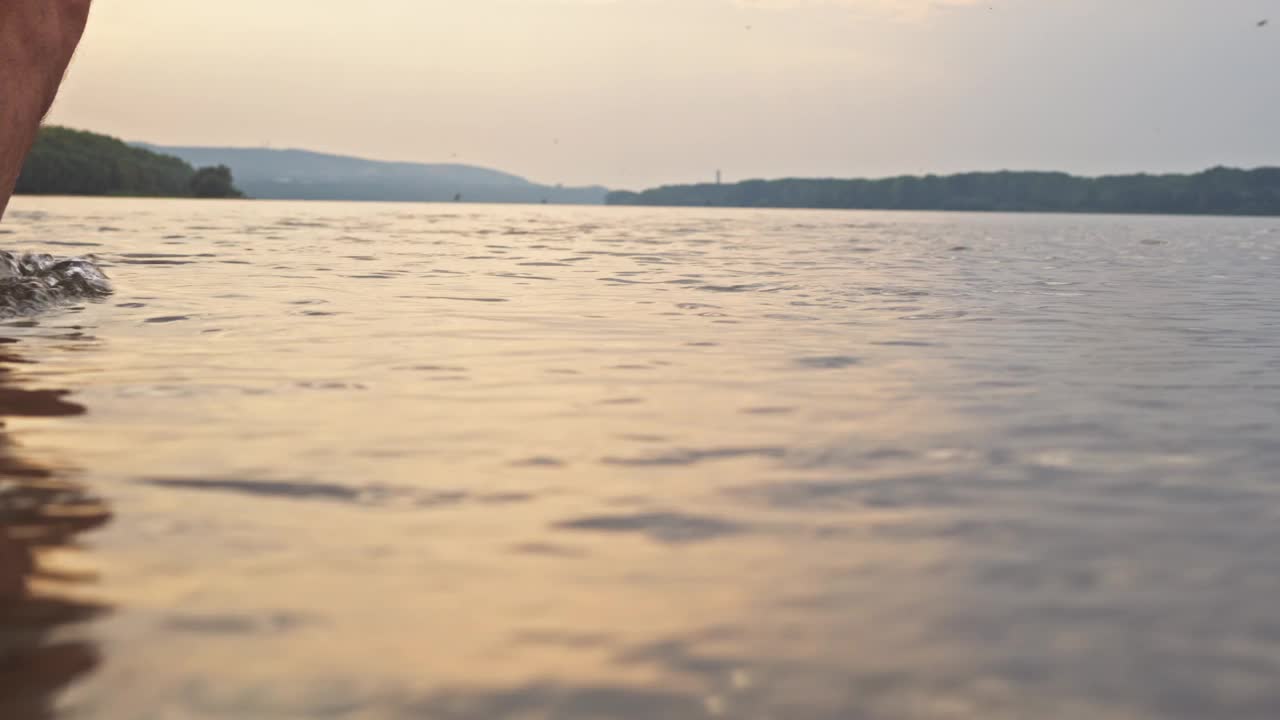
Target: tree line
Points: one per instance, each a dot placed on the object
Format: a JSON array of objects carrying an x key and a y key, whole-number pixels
[
  {"x": 74, "y": 162},
  {"x": 1219, "y": 191}
]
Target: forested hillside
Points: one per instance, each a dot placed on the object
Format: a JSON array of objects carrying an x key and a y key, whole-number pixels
[
  {"x": 73, "y": 162},
  {"x": 1220, "y": 191}
]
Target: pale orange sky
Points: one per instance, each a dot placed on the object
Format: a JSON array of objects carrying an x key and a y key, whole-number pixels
[{"x": 631, "y": 93}]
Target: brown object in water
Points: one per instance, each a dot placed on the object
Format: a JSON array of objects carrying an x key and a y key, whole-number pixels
[
  {"x": 15, "y": 565},
  {"x": 39, "y": 512}
]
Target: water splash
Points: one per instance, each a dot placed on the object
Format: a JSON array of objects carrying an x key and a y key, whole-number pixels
[{"x": 31, "y": 282}]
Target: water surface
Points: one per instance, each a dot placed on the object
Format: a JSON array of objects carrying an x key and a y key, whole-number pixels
[{"x": 486, "y": 463}]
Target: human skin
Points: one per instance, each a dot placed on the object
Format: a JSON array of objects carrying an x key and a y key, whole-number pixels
[{"x": 37, "y": 40}]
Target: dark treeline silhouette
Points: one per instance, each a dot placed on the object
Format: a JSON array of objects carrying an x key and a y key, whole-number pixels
[
  {"x": 1220, "y": 191},
  {"x": 214, "y": 182},
  {"x": 73, "y": 162}
]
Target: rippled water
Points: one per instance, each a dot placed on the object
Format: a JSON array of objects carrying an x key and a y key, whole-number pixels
[{"x": 490, "y": 463}]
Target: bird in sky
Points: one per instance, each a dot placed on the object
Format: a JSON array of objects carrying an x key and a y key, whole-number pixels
[{"x": 1263, "y": 23}]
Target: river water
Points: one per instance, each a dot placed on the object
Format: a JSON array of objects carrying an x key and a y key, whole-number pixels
[{"x": 463, "y": 462}]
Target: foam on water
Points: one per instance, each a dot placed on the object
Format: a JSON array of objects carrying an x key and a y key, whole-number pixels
[{"x": 32, "y": 282}]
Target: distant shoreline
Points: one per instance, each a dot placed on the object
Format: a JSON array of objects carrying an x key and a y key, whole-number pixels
[
  {"x": 78, "y": 163},
  {"x": 75, "y": 162},
  {"x": 446, "y": 203},
  {"x": 1219, "y": 191},
  {"x": 64, "y": 161}
]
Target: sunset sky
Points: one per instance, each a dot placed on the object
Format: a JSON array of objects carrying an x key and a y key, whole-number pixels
[{"x": 632, "y": 93}]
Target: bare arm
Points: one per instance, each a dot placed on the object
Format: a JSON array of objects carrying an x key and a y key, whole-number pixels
[{"x": 37, "y": 40}]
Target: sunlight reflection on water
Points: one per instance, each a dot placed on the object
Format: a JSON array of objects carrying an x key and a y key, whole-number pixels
[{"x": 473, "y": 463}]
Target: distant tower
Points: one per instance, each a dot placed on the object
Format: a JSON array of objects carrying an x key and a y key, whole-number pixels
[{"x": 717, "y": 177}]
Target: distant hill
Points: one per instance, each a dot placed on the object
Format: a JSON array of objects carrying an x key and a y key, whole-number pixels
[
  {"x": 1220, "y": 191},
  {"x": 305, "y": 175},
  {"x": 74, "y": 162}
]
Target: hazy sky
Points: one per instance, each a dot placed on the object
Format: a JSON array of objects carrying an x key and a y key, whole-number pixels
[{"x": 631, "y": 93}]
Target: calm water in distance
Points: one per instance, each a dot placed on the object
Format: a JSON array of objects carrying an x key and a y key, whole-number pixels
[{"x": 466, "y": 462}]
